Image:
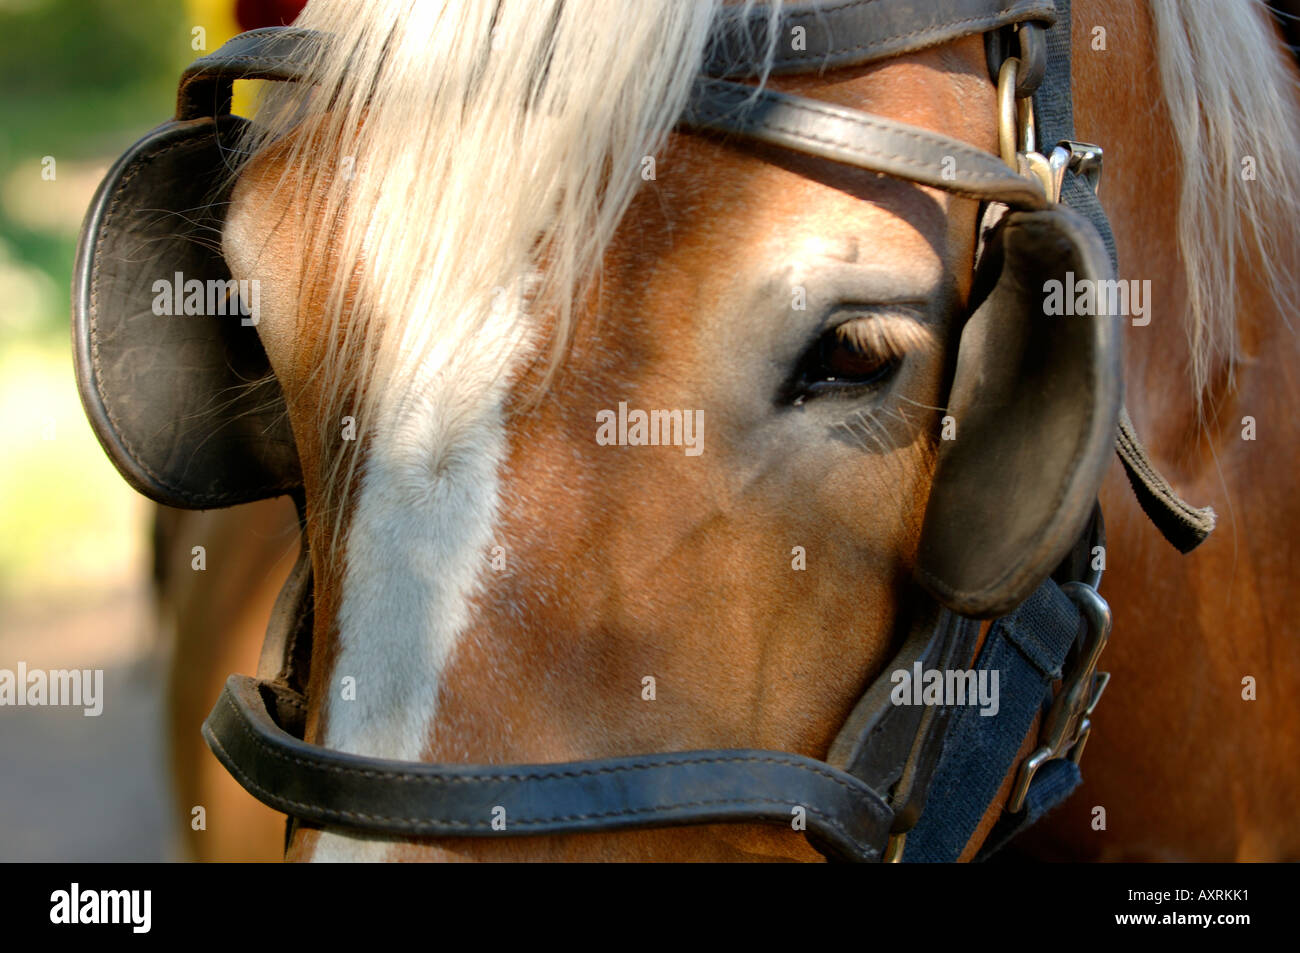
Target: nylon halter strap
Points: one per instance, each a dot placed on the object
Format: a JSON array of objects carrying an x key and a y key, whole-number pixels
[{"x": 888, "y": 760}]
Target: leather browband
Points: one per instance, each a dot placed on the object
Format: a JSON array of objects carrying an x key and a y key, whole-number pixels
[{"x": 854, "y": 32}]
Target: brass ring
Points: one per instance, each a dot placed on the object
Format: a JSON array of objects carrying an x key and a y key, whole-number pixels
[{"x": 1007, "y": 73}]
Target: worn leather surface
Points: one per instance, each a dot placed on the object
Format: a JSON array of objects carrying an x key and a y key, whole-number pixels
[
  {"x": 281, "y": 54},
  {"x": 896, "y": 748},
  {"x": 184, "y": 404},
  {"x": 850, "y": 136},
  {"x": 852, "y": 32},
  {"x": 1184, "y": 525},
  {"x": 1036, "y": 400},
  {"x": 286, "y": 649}
]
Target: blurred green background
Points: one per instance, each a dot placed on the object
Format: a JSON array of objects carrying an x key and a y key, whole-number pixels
[{"x": 79, "y": 81}]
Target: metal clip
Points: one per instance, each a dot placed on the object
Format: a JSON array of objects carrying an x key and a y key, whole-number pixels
[
  {"x": 894, "y": 849},
  {"x": 1068, "y": 723},
  {"x": 1085, "y": 161},
  {"x": 1058, "y": 163},
  {"x": 1017, "y": 141}
]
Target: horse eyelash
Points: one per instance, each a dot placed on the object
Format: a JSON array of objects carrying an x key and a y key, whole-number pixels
[{"x": 888, "y": 337}]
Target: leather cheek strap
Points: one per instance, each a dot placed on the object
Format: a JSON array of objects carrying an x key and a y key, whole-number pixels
[
  {"x": 1035, "y": 399},
  {"x": 854, "y": 138}
]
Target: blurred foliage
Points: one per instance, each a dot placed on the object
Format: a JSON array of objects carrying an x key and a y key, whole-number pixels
[
  {"x": 74, "y": 72},
  {"x": 79, "y": 81},
  {"x": 97, "y": 42}
]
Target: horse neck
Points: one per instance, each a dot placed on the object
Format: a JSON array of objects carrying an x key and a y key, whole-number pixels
[
  {"x": 1120, "y": 104},
  {"x": 1216, "y": 774}
]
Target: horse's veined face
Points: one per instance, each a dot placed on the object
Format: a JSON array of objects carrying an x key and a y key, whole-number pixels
[{"x": 702, "y": 533}]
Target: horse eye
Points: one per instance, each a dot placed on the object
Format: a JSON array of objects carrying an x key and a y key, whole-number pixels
[
  {"x": 841, "y": 363},
  {"x": 844, "y": 359}
]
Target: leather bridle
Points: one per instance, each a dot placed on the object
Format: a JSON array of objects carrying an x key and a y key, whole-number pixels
[{"x": 900, "y": 781}]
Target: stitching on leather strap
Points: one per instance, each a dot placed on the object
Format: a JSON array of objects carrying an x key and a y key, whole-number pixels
[
  {"x": 431, "y": 823},
  {"x": 539, "y": 775},
  {"x": 427, "y": 822},
  {"x": 865, "y": 122},
  {"x": 114, "y": 208},
  {"x": 706, "y": 107}
]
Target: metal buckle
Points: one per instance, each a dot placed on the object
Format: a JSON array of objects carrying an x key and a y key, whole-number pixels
[
  {"x": 1018, "y": 146},
  {"x": 1068, "y": 723}
]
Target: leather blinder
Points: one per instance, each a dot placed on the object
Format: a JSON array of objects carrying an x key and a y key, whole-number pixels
[
  {"x": 1035, "y": 399},
  {"x": 171, "y": 371}
]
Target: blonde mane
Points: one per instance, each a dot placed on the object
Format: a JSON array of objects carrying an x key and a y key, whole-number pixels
[
  {"x": 450, "y": 152},
  {"x": 1232, "y": 100}
]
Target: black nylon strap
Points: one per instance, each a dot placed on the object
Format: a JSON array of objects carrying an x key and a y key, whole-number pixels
[
  {"x": 1027, "y": 648},
  {"x": 1182, "y": 524},
  {"x": 1054, "y": 119},
  {"x": 845, "y": 818},
  {"x": 893, "y": 747}
]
